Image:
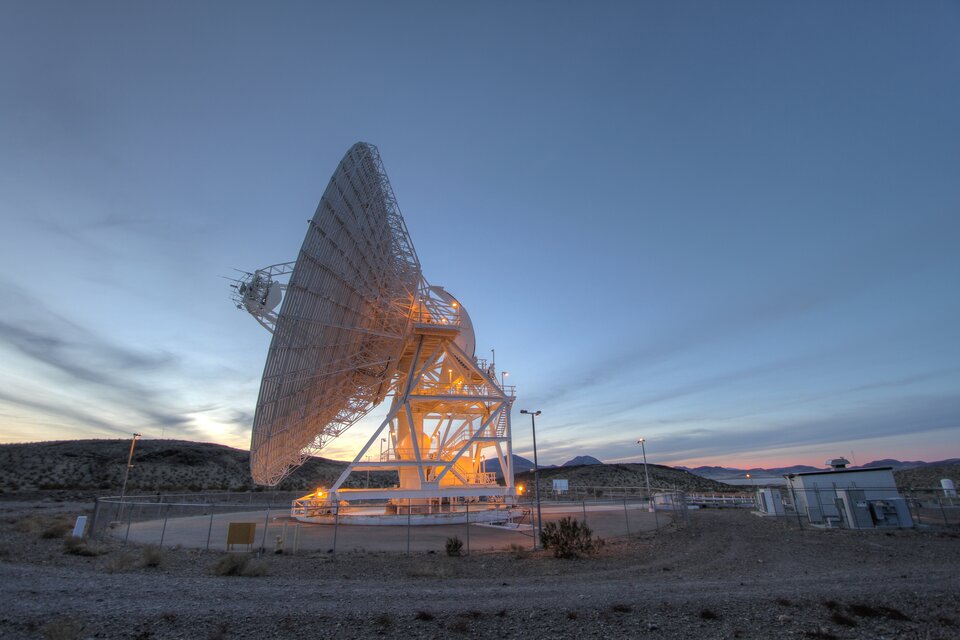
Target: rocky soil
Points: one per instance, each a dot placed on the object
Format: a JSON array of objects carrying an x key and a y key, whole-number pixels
[{"x": 727, "y": 574}]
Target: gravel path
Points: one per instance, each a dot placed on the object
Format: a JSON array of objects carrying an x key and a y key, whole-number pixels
[{"x": 728, "y": 574}]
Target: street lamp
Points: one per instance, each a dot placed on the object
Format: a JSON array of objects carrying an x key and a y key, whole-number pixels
[
  {"x": 503, "y": 374},
  {"x": 646, "y": 473},
  {"x": 382, "y": 440},
  {"x": 536, "y": 468},
  {"x": 126, "y": 475}
]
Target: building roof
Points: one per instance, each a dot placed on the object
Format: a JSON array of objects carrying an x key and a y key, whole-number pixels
[{"x": 832, "y": 471}]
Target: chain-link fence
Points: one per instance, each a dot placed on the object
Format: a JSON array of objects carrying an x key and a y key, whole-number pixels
[{"x": 203, "y": 520}]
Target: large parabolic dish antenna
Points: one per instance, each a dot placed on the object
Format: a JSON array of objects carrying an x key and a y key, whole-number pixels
[{"x": 357, "y": 322}]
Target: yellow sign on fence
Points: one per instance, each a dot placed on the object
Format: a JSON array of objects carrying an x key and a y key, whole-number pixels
[{"x": 241, "y": 533}]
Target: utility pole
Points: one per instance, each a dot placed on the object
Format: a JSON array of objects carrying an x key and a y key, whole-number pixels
[
  {"x": 536, "y": 469},
  {"x": 126, "y": 475}
]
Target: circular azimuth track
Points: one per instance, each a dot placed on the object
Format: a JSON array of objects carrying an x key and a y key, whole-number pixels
[{"x": 344, "y": 319}]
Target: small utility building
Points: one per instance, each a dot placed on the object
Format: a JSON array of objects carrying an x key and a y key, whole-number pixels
[{"x": 849, "y": 498}]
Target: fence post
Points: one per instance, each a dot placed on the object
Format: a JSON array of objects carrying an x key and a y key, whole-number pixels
[
  {"x": 163, "y": 532},
  {"x": 626, "y": 517},
  {"x": 796, "y": 508},
  {"x": 336, "y": 525},
  {"x": 408, "y": 527},
  {"x": 584, "y": 511},
  {"x": 296, "y": 539},
  {"x": 129, "y": 519},
  {"x": 468, "y": 528},
  {"x": 263, "y": 539},
  {"x": 942, "y": 511},
  {"x": 93, "y": 518},
  {"x": 209, "y": 530}
]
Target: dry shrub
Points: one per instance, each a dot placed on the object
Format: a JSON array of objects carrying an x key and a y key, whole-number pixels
[
  {"x": 568, "y": 538},
  {"x": 383, "y": 620},
  {"x": 707, "y": 614},
  {"x": 519, "y": 552},
  {"x": 621, "y": 608},
  {"x": 152, "y": 557},
  {"x": 62, "y": 629},
  {"x": 423, "y": 615},
  {"x": 454, "y": 546},
  {"x": 460, "y": 626},
  {"x": 239, "y": 565}
]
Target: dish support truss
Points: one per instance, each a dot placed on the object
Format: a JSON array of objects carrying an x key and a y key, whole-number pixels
[{"x": 448, "y": 415}]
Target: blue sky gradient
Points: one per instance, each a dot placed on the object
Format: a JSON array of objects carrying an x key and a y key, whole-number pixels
[{"x": 731, "y": 228}]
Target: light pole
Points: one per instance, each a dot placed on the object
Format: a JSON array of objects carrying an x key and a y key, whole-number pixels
[
  {"x": 536, "y": 469},
  {"x": 126, "y": 475},
  {"x": 503, "y": 374},
  {"x": 646, "y": 473},
  {"x": 382, "y": 440}
]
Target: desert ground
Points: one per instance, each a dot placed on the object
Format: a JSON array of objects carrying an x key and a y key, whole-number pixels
[{"x": 726, "y": 574}]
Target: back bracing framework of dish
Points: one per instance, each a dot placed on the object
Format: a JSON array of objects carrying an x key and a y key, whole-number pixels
[{"x": 357, "y": 322}]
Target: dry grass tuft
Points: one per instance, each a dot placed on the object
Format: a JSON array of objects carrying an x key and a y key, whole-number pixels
[
  {"x": 424, "y": 616},
  {"x": 119, "y": 563},
  {"x": 239, "y": 565},
  {"x": 80, "y": 547},
  {"x": 383, "y": 620},
  {"x": 708, "y": 614},
  {"x": 460, "y": 626}
]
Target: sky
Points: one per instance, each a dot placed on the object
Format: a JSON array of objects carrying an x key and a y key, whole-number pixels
[{"x": 729, "y": 228}]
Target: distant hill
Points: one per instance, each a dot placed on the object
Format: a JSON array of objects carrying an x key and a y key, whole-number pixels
[
  {"x": 732, "y": 473},
  {"x": 579, "y": 460},
  {"x": 623, "y": 475},
  {"x": 909, "y": 464},
  {"x": 928, "y": 476},
  {"x": 159, "y": 465}
]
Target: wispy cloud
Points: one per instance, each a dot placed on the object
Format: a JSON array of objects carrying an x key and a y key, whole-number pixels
[
  {"x": 884, "y": 417},
  {"x": 130, "y": 386}
]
